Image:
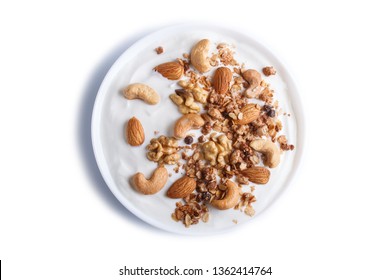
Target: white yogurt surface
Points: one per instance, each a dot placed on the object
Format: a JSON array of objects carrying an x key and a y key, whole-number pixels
[{"x": 118, "y": 161}]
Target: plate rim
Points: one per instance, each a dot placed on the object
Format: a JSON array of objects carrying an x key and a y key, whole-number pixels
[{"x": 296, "y": 101}]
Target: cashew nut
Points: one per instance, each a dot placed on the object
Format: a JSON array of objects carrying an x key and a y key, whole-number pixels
[
  {"x": 269, "y": 150},
  {"x": 154, "y": 184},
  {"x": 199, "y": 56},
  {"x": 186, "y": 123},
  {"x": 254, "y": 79},
  {"x": 231, "y": 198},
  {"x": 141, "y": 91}
]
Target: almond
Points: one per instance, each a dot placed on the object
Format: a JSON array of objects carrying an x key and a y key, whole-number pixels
[
  {"x": 135, "y": 132},
  {"x": 182, "y": 187},
  {"x": 221, "y": 80},
  {"x": 170, "y": 70},
  {"x": 257, "y": 175},
  {"x": 250, "y": 112}
]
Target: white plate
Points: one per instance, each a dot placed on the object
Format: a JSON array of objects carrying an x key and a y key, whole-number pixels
[{"x": 118, "y": 161}]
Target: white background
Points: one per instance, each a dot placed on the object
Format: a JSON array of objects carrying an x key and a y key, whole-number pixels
[{"x": 60, "y": 221}]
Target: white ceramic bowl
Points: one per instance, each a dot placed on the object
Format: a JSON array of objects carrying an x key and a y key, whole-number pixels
[{"x": 118, "y": 161}]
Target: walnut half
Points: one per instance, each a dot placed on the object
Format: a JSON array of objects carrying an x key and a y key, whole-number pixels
[
  {"x": 163, "y": 150},
  {"x": 218, "y": 150},
  {"x": 185, "y": 101}
]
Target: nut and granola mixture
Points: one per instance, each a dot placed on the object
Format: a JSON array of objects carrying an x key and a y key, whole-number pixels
[{"x": 239, "y": 126}]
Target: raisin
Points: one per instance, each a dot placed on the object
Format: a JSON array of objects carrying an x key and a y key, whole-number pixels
[
  {"x": 199, "y": 197},
  {"x": 206, "y": 196},
  {"x": 271, "y": 113},
  {"x": 266, "y": 108},
  {"x": 188, "y": 140}
]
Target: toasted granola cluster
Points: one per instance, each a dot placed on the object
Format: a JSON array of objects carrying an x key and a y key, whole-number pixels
[{"x": 191, "y": 212}]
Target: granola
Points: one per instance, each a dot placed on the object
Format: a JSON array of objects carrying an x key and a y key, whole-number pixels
[{"x": 244, "y": 111}]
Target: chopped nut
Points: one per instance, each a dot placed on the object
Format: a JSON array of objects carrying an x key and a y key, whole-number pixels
[
  {"x": 226, "y": 55},
  {"x": 236, "y": 157},
  {"x": 242, "y": 179},
  {"x": 233, "y": 116},
  {"x": 202, "y": 139},
  {"x": 206, "y": 128},
  {"x": 242, "y": 166},
  {"x": 209, "y": 174},
  {"x": 159, "y": 50},
  {"x": 269, "y": 70},
  {"x": 187, "y": 220},
  {"x": 215, "y": 113},
  {"x": 249, "y": 211},
  {"x": 174, "y": 217},
  {"x": 278, "y": 125},
  {"x": 206, "y": 217},
  {"x": 254, "y": 159},
  {"x": 172, "y": 159},
  {"x": 217, "y": 127},
  {"x": 214, "y": 60},
  {"x": 283, "y": 143},
  {"x": 246, "y": 203},
  {"x": 267, "y": 95},
  {"x": 207, "y": 118},
  {"x": 262, "y": 131},
  {"x": 222, "y": 45},
  {"x": 196, "y": 156}
]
